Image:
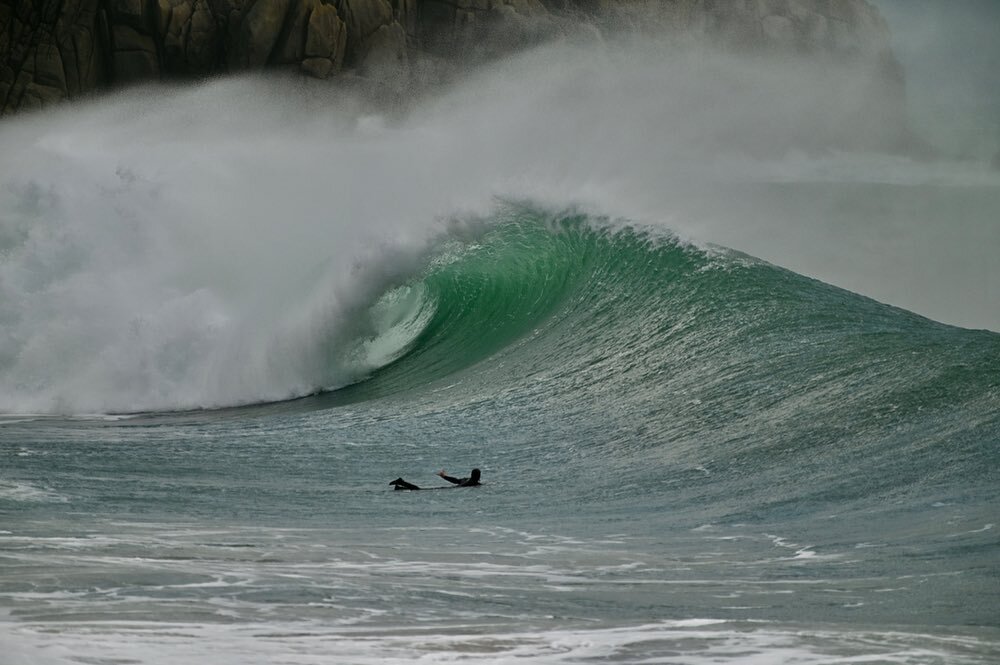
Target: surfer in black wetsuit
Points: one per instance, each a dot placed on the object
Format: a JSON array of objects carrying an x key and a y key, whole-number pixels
[{"x": 471, "y": 481}]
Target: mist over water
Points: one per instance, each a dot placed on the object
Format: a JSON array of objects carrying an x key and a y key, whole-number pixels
[
  {"x": 950, "y": 54},
  {"x": 221, "y": 244}
]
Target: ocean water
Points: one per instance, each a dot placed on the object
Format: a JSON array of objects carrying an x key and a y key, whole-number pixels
[{"x": 223, "y": 334}]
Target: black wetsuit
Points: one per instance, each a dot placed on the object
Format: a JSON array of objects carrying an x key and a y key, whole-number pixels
[{"x": 471, "y": 481}]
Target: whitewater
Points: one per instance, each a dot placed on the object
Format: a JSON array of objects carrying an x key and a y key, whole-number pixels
[{"x": 732, "y": 379}]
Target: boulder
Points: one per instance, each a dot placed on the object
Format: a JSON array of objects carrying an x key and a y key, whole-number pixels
[
  {"x": 325, "y": 42},
  {"x": 134, "y": 56},
  {"x": 49, "y": 70},
  {"x": 258, "y": 33},
  {"x": 386, "y": 60},
  {"x": 363, "y": 19},
  {"x": 190, "y": 34},
  {"x": 326, "y": 35},
  {"x": 320, "y": 68}
]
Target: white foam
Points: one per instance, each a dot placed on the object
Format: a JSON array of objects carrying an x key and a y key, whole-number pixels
[
  {"x": 679, "y": 642},
  {"x": 984, "y": 528},
  {"x": 28, "y": 492}
]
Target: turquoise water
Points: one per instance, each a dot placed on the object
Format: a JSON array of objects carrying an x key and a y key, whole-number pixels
[{"x": 689, "y": 456}]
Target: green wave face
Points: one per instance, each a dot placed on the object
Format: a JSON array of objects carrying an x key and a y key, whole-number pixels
[
  {"x": 541, "y": 294},
  {"x": 532, "y": 289},
  {"x": 650, "y": 351}
]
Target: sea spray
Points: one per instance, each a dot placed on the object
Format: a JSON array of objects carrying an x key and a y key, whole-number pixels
[{"x": 211, "y": 246}]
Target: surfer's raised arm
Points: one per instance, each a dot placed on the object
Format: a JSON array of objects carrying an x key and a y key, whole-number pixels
[
  {"x": 471, "y": 481},
  {"x": 457, "y": 481}
]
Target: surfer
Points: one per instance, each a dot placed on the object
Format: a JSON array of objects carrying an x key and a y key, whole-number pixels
[{"x": 471, "y": 481}]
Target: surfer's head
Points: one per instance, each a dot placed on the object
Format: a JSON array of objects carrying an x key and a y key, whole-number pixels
[{"x": 475, "y": 476}]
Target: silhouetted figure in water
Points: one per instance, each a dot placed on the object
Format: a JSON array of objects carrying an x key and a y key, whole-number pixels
[{"x": 471, "y": 481}]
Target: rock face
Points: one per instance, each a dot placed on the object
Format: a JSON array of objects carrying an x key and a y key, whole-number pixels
[
  {"x": 52, "y": 50},
  {"x": 60, "y": 49}
]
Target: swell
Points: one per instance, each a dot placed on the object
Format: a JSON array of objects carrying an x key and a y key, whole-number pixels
[
  {"x": 577, "y": 289},
  {"x": 643, "y": 350}
]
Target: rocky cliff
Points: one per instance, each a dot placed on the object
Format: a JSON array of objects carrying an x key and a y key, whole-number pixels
[{"x": 52, "y": 50}]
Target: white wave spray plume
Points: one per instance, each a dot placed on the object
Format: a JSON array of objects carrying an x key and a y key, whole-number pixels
[{"x": 219, "y": 244}]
